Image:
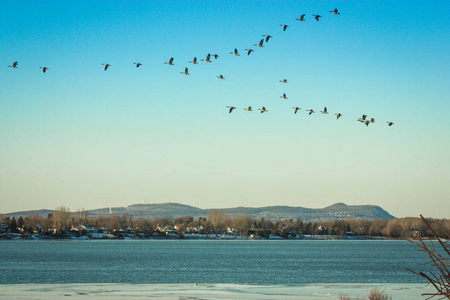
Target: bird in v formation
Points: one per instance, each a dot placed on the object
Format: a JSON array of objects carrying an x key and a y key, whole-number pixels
[
  {"x": 267, "y": 37},
  {"x": 14, "y": 65},
  {"x": 249, "y": 51},
  {"x": 311, "y": 111},
  {"x": 208, "y": 60},
  {"x": 302, "y": 18}
]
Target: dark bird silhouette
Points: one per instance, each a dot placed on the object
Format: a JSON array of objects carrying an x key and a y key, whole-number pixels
[
  {"x": 208, "y": 58},
  {"x": 367, "y": 123},
  {"x": 260, "y": 44},
  {"x": 372, "y": 120},
  {"x": 44, "y": 69},
  {"x": 106, "y": 66},
  {"x": 235, "y": 52},
  {"x": 138, "y": 65},
  {"x": 284, "y": 81},
  {"x": 194, "y": 61},
  {"x": 215, "y": 56},
  {"x": 248, "y": 108},
  {"x": 186, "y": 72},
  {"x": 335, "y": 12},
  {"x": 302, "y": 18},
  {"x": 231, "y": 108},
  {"x": 14, "y": 65},
  {"x": 220, "y": 77},
  {"x": 267, "y": 37},
  {"x": 284, "y": 27},
  {"x": 310, "y": 111},
  {"x": 324, "y": 111},
  {"x": 363, "y": 118},
  {"x": 263, "y": 109},
  {"x": 390, "y": 123},
  {"x": 170, "y": 63},
  {"x": 338, "y": 115},
  {"x": 284, "y": 96},
  {"x": 249, "y": 51},
  {"x": 317, "y": 17},
  {"x": 296, "y": 109}
]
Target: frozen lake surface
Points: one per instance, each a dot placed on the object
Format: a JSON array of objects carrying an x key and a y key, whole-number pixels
[{"x": 408, "y": 291}]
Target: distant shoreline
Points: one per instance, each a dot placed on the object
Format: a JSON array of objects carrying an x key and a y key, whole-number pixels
[{"x": 17, "y": 237}]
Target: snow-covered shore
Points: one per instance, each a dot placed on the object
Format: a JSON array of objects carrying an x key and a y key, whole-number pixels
[
  {"x": 207, "y": 291},
  {"x": 104, "y": 236}
]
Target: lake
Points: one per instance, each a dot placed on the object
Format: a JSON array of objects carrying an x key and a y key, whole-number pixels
[{"x": 263, "y": 262}]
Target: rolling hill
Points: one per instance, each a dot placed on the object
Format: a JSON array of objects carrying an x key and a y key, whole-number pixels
[{"x": 173, "y": 210}]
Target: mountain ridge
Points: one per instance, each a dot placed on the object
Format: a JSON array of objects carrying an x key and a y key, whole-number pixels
[{"x": 337, "y": 211}]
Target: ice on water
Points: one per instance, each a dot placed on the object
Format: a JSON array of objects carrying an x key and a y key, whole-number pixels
[{"x": 408, "y": 291}]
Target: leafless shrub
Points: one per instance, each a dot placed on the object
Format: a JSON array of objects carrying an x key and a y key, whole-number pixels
[{"x": 439, "y": 259}]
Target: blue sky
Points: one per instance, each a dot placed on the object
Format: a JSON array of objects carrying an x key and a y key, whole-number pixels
[{"x": 83, "y": 137}]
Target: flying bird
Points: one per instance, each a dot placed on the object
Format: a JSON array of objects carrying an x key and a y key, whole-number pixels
[
  {"x": 215, "y": 56},
  {"x": 220, "y": 77},
  {"x": 208, "y": 58},
  {"x": 249, "y": 51},
  {"x": 235, "y": 52},
  {"x": 284, "y": 96},
  {"x": 302, "y": 18},
  {"x": 137, "y": 65},
  {"x": 296, "y": 109},
  {"x": 106, "y": 66},
  {"x": 194, "y": 61},
  {"x": 186, "y": 72},
  {"x": 263, "y": 109},
  {"x": 338, "y": 115},
  {"x": 170, "y": 63},
  {"x": 390, "y": 123},
  {"x": 284, "y": 27},
  {"x": 363, "y": 118},
  {"x": 324, "y": 111},
  {"x": 231, "y": 108},
  {"x": 367, "y": 123},
  {"x": 267, "y": 37},
  {"x": 317, "y": 17},
  {"x": 372, "y": 120},
  {"x": 14, "y": 65},
  {"x": 335, "y": 12},
  {"x": 284, "y": 81},
  {"x": 260, "y": 44},
  {"x": 44, "y": 69},
  {"x": 248, "y": 108},
  {"x": 310, "y": 111}
]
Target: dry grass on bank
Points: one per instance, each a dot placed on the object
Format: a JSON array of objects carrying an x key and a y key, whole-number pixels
[{"x": 374, "y": 294}]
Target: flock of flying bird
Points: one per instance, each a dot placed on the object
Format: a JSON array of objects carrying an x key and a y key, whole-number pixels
[
  {"x": 266, "y": 38},
  {"x": 363, "y": 118}
]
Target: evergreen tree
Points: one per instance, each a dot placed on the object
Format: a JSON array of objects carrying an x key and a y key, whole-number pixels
[{"x": 13, "y": 224}]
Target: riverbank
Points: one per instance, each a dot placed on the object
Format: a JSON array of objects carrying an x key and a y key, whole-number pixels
[{"x": 207, "y": 291}]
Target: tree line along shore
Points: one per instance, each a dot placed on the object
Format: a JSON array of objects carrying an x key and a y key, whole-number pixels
[{"x": 64, "y": 224}]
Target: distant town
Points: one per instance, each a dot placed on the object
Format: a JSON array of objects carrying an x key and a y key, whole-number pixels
[{"x": 62, "y": 224}]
